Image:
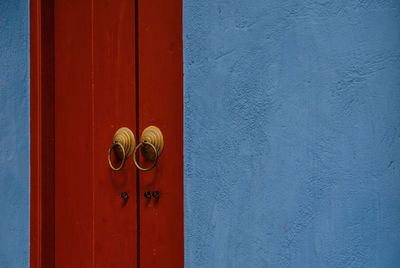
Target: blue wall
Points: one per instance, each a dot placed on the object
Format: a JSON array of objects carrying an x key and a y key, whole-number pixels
[
  {"x": 14, "y": 133},
  {"x": 292, "y": 133}
]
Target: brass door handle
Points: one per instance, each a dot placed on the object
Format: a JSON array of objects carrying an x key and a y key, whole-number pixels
[
  {"x": 151, "y": 144},
  {"x": 123, "y": 145}
]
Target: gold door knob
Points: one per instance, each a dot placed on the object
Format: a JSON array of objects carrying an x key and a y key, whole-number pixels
[
  {"x": 151, "y": 144},
  {"x": 123, "y": 145}
]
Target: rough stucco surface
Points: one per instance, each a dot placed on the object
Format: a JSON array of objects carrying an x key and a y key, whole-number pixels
[
  {"x": 14, "y": 134},
  {"x": 292, "y": 133}
]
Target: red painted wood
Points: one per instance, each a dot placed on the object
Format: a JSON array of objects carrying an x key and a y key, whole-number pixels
[
  {"x": 82, "y": 90},
  {"x": 161, "y": 104},
  {"x": 95, "y": 95},
  {"x": 114, "y": 107},
  {"x": 42, "y": 133},
  {"x": 74, "y": 137}
]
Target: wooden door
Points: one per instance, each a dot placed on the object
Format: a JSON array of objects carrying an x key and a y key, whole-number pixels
[
  {"x": 161, "y": 104},
  {"x": 94, "y": 95},
  {"x": 112, "y": 63}
]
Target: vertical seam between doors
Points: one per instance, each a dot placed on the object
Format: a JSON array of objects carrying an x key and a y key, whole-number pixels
[
  {"x": 92, "y": 130},
  {"x": 137, "y": 131}
]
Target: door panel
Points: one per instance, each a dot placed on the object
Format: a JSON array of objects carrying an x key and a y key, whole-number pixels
[
  {"x": 73, "y": 132},
  {"x": 94, "y": 96},
  {"x": 114, "y": 107},
  {"x": 161, "y": 104}
]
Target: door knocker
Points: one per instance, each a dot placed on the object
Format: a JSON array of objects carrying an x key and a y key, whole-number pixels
[
  {"x": 151, "y": 144},
  {"x": 123, "y": 145}
]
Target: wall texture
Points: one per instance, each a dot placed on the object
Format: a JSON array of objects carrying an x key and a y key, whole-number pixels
[
  {"x": 292, "y": 133},
  {"x": 14, "y": 134}
]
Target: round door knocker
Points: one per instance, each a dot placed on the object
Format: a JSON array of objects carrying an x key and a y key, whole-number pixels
[
  {"x": 144, "y": 143},
  {"x": 151, "y": 144},
  {"x": 115, "y": 145},
  {"x": 123, "y": 145}
]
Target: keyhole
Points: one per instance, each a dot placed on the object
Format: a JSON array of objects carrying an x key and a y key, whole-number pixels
[
  {"x": 156, "y": 194},
  {"x": 147, "y": 195},
  {"x": 124, "y": 195}
]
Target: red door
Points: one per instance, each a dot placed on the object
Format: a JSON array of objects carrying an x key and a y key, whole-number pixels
[{"x": 117, "y": 63}]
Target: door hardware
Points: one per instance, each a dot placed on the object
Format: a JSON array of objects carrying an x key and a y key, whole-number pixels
[
  {"x": 151, "y": 144},
  {"x": 123, "y": 145},
  {"x": 124, "y": 195},
  {"x": 147, "y": 195},
  {"x": 156, "y": 194}
]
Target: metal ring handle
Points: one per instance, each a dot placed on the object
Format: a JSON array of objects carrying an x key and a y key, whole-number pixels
[
  {"x": 155, "y": 160},
  {"x": 113, "y": 145}
]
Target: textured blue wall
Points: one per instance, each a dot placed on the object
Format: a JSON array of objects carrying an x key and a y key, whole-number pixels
[
  {"x": 292, "y": 133},
  {"x": 14, "y": 134}
]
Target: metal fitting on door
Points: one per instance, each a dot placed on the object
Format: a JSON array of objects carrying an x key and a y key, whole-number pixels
[
  {"x": 123, "y": 145},
  {"x": 151, "y": 144}
]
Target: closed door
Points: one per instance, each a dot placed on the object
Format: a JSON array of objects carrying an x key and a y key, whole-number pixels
[{"x": 117, "y": 63}]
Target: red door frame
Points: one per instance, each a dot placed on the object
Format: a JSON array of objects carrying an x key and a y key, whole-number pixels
[
  {"x": 42, "y": 125},
  {"x": 42, "y": 133}
]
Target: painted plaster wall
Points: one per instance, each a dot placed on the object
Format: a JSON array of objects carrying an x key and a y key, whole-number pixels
[
  {"x": 292, "y": 133},
  {"x": 14, "y": 134}
]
